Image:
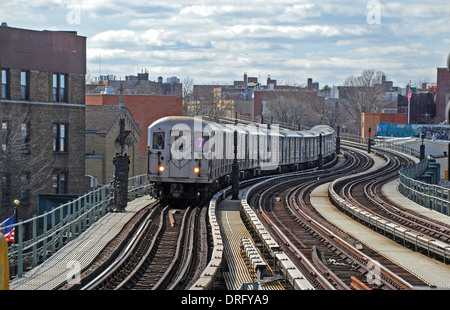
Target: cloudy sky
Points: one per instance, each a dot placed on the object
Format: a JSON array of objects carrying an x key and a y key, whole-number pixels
[{"x": 217, "y": 41}]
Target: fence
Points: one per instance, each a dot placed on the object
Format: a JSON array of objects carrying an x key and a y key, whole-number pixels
[
  {"x": 431, "y": 196},
  {"x": 51, "y": 230},
  {"x": 381, "y": 143}
]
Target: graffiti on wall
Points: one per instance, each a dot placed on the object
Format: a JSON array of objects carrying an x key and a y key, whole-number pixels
[{"x": 432, "y": 132}]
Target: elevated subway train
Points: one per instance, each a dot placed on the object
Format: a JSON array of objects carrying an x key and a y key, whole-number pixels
[{"x": 190, "y": 158}]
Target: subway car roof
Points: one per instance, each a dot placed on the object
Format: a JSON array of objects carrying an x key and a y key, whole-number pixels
[{"x": 170, "y": 121}]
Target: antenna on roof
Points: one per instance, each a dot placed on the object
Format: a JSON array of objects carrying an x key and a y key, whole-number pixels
[{"x": 121, "y": 96}]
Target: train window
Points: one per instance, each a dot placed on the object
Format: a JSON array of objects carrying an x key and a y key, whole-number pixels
[
  {"x": 158, "y": 140},
  {"x": 180, "y": 141}
]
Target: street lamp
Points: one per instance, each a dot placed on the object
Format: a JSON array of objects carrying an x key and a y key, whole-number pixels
[{"x": 16, "y": 204}]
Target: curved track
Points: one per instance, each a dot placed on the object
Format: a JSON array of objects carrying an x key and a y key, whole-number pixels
[
  {"x": 329, "y": 250},
  {"x": 170, "y": 247},
  {"x": 365, "y": 192},
  {"x": 161, "y": 253}
]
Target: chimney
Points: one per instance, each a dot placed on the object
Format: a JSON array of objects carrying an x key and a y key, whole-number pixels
[
  {"x": 245, "y": 79},
  {"x": 121, "y": 96}
]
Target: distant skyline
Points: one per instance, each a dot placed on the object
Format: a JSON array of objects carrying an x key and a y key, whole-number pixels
[{"x": 216, "y": 42}]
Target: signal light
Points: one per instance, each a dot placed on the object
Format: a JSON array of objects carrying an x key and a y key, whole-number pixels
[
  {"x": 370, "y": 130},
  {"x": 161, "y": 168},
  {"x": 197, "y": 170}
]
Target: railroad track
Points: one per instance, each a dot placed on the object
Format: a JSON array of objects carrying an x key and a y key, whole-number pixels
[
  {"x": 364, "y": 192},
  {"x": 160, "y": 255},
  {"x": 322, "y": 248},
  {"x": 167, "y": 258}
]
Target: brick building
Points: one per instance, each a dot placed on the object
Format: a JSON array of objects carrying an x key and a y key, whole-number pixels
[
  {"x": 372, "y": 120},
  {"x": 43, "y": 116},
  {"x": 422, "y": 107},
  {"x": 443, "y": 93},
  {"x": 245, "y": 97},
  {"x": 102, "y": 131},
  {"x": 145, "y": 109},
  {"x": 139, "y": 84}
]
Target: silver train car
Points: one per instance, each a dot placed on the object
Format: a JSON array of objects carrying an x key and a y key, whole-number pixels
[{"x": 190, "y": 158}]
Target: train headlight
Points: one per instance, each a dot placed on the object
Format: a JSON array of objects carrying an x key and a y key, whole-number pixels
[
  {"x": 197, "y": 170},
  {"x": 161, "y": 169}
]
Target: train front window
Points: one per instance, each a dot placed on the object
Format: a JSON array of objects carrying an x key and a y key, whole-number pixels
[
  {"x": 180, "y": 140},
  {"x": 158, "y": 140}
]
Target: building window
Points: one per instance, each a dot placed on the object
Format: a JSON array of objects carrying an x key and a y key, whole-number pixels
[
  {"x": 5, "y": 137},
  {"x": 5, "y": 84},
  {"x": 59, "y": 138},
  {"x": 5, "y": 183},
  {"x": 25, "y": 136},
  {"x": 25, "y": 187},
  {"x": 60, "y": 183},
  {"x": 24, "y": 85},
  {"x": 59, "y": 87}
]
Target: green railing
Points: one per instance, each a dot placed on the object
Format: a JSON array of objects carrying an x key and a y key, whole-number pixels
[
  {"x": 431, "y": 196},
  {"x": 51, "y": 230}
]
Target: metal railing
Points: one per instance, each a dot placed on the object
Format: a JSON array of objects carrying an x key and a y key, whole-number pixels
[
  {"x": 431, "y": 196},
  {"x": 52, "y": 230},
  {"x": 383, "y": 144}
]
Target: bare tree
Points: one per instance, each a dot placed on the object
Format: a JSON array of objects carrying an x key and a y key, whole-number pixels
[
  {"x": 187, "y": 93},
  {"x": 25, "y": 167},
  {"x": 207, "y": 100},
  {"x": 300, "y": 106},
  {"x": 364, "y": 93}
]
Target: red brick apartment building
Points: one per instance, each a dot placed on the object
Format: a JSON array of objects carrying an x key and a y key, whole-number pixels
[
  {"x": 42, "y": 110},
  {"x": 443, "y": 93},
  {"x": 145, "y": 109}
]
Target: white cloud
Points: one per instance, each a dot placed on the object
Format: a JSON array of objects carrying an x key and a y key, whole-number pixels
[{"x": 289, "y": 39}]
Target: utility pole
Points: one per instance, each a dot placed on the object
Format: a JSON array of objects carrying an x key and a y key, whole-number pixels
[
  {"x": 121, "y": 163},
  {"x": 422, "y": 147},
  {"x": 320, "y": 153},
  {"x": 338, "y": 141},
  {"x": 235, "y": 171}
]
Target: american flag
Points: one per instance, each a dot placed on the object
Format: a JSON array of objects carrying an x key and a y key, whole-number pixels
[
  {"x": 9, "y": 231},
  {"x": 409, "y": 93}
]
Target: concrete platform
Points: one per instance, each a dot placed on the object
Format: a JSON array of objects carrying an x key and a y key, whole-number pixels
[
  {"x": 78, "y": 253},
  {"x": 233, "y": 230},
  {"x": 431, "y": 271}
]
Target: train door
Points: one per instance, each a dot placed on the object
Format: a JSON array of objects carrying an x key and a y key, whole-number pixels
[
  {"x": 247, "y": 152},
  {"x": 181, "y": 151}
]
